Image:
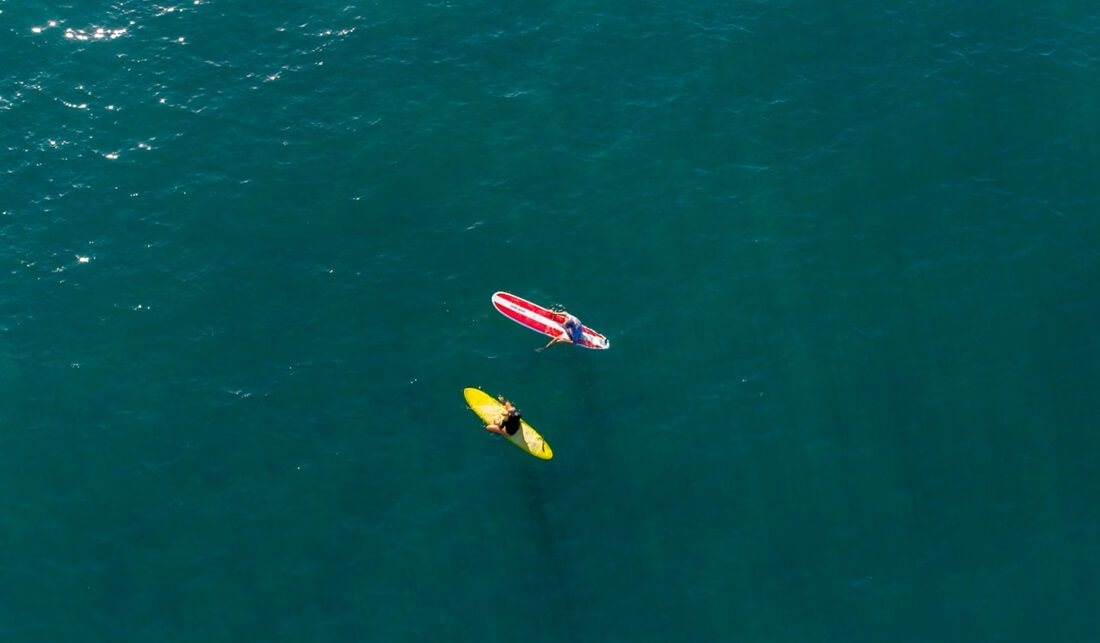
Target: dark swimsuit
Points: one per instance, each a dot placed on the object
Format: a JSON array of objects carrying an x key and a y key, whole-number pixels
[
  {"x": 574, "y": 329},
  {"x": 511, "y": 423}
]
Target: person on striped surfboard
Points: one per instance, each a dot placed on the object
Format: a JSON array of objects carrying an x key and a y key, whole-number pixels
[{"x": 572, "y": 334}]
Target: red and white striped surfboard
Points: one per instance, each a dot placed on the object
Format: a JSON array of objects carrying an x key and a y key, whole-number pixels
[{"x": 541, "y": 320}]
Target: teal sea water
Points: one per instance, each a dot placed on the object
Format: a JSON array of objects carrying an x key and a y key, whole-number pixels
[{"x": 846, "y": 257}]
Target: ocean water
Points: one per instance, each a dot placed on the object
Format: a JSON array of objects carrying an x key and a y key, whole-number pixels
[{"x": 846, "y": 257}]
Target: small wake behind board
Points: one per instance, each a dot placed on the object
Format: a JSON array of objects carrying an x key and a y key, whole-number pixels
[
  {"x": 543, "y": 320},
  {"x": 490, "y": 411}
]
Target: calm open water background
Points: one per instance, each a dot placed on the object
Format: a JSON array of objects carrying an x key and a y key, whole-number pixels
[{"x": 846, "y": 257}]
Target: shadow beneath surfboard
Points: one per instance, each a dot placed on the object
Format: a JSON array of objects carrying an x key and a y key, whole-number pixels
[
  {"x": 554, "y": 580},
  {"x": 548, "y": 492}
]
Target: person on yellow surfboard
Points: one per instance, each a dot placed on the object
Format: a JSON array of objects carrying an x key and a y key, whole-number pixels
[{"x": 509, "y": 420}]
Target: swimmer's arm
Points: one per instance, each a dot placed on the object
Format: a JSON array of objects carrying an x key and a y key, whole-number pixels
[{"x": 560, "y": 338}]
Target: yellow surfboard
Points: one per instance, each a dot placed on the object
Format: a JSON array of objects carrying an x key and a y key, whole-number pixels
[{"x": 491, "y": 411}]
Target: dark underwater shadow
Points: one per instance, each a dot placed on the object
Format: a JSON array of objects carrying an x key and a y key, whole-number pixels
[{"x": 547, "y": 488}]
